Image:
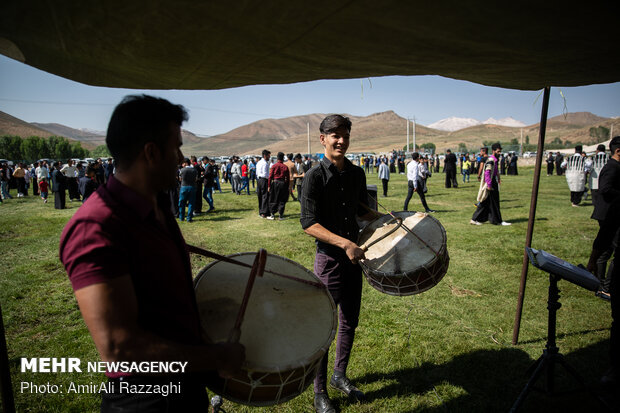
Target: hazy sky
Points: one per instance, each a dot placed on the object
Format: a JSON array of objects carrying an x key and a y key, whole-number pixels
[{"x": 36, "y": 96}]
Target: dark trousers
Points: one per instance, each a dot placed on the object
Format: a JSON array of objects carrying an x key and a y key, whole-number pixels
[
  {"x": 189, "y": 396},
  {"x": 60, "y": 199},
  {"x": 35, "y": 187},
  {"x": 263, "y": 196},
  {"x": 72, "y": 186},
  {"x": 602, "y": 272},
  {"x": 575, "y": 197},
  {"x": 549, "y": 169},
  {"x": 420, "y": 191},
  {"x": 451, "y": 178},
  {"x": 344, "y": 283},
  {"x": 384, "y": 182},
  {"x": 488, "y": 210},
  {"x": 21, "y": 186},
  {"x": 278, "y": 196}
]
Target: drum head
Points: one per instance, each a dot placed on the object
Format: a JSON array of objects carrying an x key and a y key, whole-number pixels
[
  {"x": 402, "y": 263},
  {"x": 287, "y": 323}
]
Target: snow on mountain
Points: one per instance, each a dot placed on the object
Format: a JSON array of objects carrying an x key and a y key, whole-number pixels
[
  {"x": 454, "y": 123},
  {"x": 509, "y": 121},
  {"x": 93, "y": 131}
]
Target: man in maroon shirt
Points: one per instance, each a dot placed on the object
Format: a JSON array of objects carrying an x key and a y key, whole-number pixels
[
  {"x": 129, "y": 265},
  {"x": 279, "y": 178}
]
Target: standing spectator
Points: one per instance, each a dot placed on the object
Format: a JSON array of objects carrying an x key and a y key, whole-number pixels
[
  {"x": 88, "y": 183},
  {"x": 415, "y": 183},
  {"x": 228, "y": 173},
  {"x": 187, "y": 194},
  {"x": 401, "y": 164},
  {"x": 4, "y": 182},
  {"x": 108, "y": 169},
  {"x": 384, "y": 175},
  {"x": 210, "y": 178},
  {"x": 235, "y": 171},
  {"x": 20, "y": 176},
  {"x": 450, "y": 167},
  {"x": 42, "y": 171},
  {"x": 299, "y": 175},
  {"x": 482, "y": 160},
  {"x": 559, "y": 159},
  {"x": 59, "y": 187},
  {"x": 71, "y": 180},
  {"x": 245, "y": 179},
  {"x": 307, "y": 163},
  {"x": 43, "y": 189},
  {"x": 367, "y": 164},
  {"x": 512, "y": 165},
  {"x": 99, "y": 172},
  {"x": 262, "y": 185},
  {"x": 392, "y": 168},
  {"x": 278, "y": 187},
  {"x": 488, "y": 209},
  {"x": 199, "y": 178},
  {"x": 550, "y": 164},
  {"x": 33, "y": 176},
  {"x": 252, "y": 168},
  {"x": 291, "y": 168},
  {"x": 466, "y": 168}
]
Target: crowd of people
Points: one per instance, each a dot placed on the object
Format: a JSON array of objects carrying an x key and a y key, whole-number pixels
[{"x": 79, "y": 179}]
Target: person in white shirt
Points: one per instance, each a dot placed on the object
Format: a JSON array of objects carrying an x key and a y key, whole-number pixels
[
  {"x": 414, "y": 178},
  {"x": 70, "y": 173},
  {"x": 262, "y": 173},
  {"x": 235, "y": 172},
  {"x": 384, "y": 175}
]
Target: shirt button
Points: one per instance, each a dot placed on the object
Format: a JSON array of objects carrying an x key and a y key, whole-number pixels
[
  {"x": 342, "y": 189},
  {"x": 343, "y": 204}
]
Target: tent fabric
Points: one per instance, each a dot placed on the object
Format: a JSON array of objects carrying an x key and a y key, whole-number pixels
[{"x": 215, "y": 44}]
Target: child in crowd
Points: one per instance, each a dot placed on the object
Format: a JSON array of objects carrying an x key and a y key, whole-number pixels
[{"x": 43, "y": 189}]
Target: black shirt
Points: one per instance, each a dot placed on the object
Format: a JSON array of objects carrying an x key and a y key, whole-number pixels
[
  {"x": 608, "y": 189},
  {"x": 333, "y": 198}
]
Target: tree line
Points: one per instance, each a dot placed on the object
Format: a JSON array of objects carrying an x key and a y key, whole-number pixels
[{"x": 55, "y": 147}]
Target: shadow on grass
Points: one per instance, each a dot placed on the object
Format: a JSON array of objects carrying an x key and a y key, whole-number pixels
[
  {"x": 491, "y": 380},
  {"x": 563, "y": 335}
]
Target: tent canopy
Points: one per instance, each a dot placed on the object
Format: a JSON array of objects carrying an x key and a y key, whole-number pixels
[{"x": 215, "y": 44}]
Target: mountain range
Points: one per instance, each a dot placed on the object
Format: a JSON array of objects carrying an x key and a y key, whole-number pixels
[{"x": 379, "y": 132}]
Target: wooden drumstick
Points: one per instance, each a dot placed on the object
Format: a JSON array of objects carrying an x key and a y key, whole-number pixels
[{"x": 257, "y": 271}]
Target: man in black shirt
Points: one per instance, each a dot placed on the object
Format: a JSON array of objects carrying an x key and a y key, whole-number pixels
[
  {"x": 210, "y": 176},
  {"x": 609, "y": 210},
  {"x": 450, "y": 166},
  {"x": 333, "y": 194}
]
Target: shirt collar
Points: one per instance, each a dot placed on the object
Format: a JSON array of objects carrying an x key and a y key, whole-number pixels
[{"x": 332, "y": 169}]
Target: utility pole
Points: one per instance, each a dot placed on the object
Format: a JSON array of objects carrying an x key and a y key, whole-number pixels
[
  {"x": 407, "y": 147},
  {"x": 309, "y": 139},
  {"x": 414, "y": 134},
  {"x": 521, "y": 142}
]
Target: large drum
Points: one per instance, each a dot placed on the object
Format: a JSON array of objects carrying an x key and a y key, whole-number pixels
[
  {"x": 401, "y": 262},
  {"x": 288, "y": 327}
]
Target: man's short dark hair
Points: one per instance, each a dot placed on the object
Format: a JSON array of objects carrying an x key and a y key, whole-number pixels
[
  {"x": 289, "y": 156},
  {"x": 448, "y": 151},
  {"x": 600, "y": 148},
  {"x": 614, "y": 144},
  {"x": 332, "y": 123},
  {"x": 140, "y": 119},
  {"x": 266, "y": 152},
  {"x": 415, "y": 156},
  {"x": 496, "y": 146},
  {"x": 484, "y": 149},
  {"x": 578, "y": 149},
  {"x": 90, "y": 170},
  {"x": 298, "y": 156},
  {"x": 280, "y": 156}
]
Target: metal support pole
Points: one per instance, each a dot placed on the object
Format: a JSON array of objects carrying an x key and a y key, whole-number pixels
[{"x": 530, "y": 222}]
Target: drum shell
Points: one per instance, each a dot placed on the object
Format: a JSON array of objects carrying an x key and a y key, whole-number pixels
[
  {"x": 412, "y": 280},
  {"x": 266, "y": 384}
]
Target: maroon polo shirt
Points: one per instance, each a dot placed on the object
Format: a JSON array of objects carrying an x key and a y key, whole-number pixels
[
  {"x": 114, "y": 233},
  {"x": 279, "y": 171}
]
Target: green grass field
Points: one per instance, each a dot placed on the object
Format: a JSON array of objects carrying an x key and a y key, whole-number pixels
[{"x": 448, "y": 349}]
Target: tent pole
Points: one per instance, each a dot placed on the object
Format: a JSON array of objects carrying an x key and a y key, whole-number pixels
[
  {"x": 8, "y": 403},
  {"x": 530, "y": 222}
]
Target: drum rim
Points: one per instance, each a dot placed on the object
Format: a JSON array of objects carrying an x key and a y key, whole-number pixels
[
  {"x": 441, "y": 254},
  {"x": 273, "y": 369}
]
